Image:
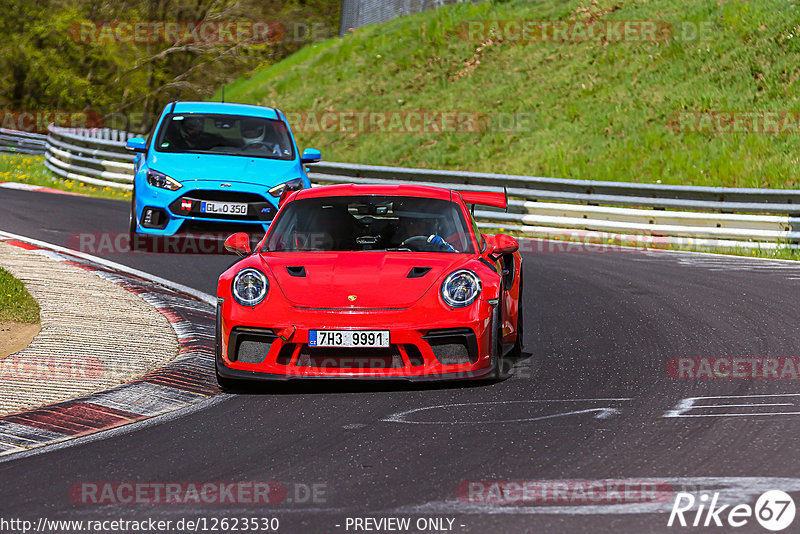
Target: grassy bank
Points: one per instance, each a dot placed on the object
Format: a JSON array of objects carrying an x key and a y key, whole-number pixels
[
  {"x": 31, "y": 170},
  {"x": 16, "y": 304},
  {"x": 603, "y": 110}
]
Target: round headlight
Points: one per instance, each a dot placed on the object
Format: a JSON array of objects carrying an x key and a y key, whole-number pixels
[
  {"x": 249, "y": 287},
  {"x": 461, "y": 288}
]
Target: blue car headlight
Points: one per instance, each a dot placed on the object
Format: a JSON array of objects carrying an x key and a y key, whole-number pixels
[
  {"x": 249, "y": 287},
  {"x": 159, "y": 179},
  {"x": 461, "y": 288},
  {"x": 291, "y": 185}
]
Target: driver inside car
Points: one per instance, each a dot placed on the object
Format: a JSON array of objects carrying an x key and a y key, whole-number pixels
[
  {"x": 254, "y": 136},
  {"x": 420, "y": 233},
  {"x": 192, "y": 135}
]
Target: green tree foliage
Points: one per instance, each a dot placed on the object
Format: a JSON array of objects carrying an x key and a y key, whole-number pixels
[{"x": 49, "y": 62}]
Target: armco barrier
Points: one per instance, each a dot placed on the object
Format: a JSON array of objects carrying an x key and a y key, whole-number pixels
[
  {"x": 16, "y": 142},
  {"x": 713, "y": 217},
  {"x": 722, "y": 199},
  {"x": 93, "y": 156}
]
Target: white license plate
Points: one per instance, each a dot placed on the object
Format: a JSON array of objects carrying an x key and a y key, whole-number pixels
[
  {"x": 224, "y": 208},
  {"x": 348, "y": 338}
]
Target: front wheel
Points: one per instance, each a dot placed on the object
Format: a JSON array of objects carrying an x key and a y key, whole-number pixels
[
  {"x": 516, "y": 352},
  {"x": 132, "y": 220},
  {"x": 502, "y": 366},
  {"x": 133, "y": 237}
]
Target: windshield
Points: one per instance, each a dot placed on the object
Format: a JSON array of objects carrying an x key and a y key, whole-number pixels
[
  {"x": 231, "y": 135},
  {"x": 410, "y": 224}
]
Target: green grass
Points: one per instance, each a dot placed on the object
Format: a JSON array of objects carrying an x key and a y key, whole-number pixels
[
  {"x": 780, "y": 253},
  {"x": 578, "y": 241},
  {"x": 31, "y": 170},
  {"x": 16, "y": 304},
  {"x": 598, "y": 110}
]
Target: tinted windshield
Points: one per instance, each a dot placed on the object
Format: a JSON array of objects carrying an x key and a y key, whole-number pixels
[
  {"x": 409, "y": 224},
  {"x": 231, "y": 135}
]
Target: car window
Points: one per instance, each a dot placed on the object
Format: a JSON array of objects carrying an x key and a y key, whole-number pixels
[
  {"x": 393, "y": 223},
  {"x": 477, "y": 232},
  {"x": 231, "y": 135}
]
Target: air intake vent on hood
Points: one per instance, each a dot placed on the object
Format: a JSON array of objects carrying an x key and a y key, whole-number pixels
[
  {"x": 418, "y": 272},
  {"x": 298, "y": 271}
]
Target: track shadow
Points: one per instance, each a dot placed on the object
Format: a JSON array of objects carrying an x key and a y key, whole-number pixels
[{"x": 341, "y": 386}]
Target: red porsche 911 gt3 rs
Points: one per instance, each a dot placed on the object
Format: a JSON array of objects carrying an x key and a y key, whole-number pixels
[{"x": 371, "y": 281}]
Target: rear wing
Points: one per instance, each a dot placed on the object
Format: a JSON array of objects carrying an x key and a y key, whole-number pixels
[{"x": 486, "y": 198}]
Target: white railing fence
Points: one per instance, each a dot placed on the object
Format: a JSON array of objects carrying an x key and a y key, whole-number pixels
[
  {"x": 94, "y": 156},
  {"x": 710, "y": 217},
  {"x": 16, "y": 142}
]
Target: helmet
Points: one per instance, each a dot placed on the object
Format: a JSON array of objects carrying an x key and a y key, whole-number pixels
[
  {"x": 191, "y": 127},
  {"x": 252, "y": 131}
]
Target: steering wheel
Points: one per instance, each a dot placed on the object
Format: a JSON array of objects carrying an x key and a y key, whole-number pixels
[
  {"x": 421, "y": 243},
  {"x": 366, "y": 222},
  {"x": 257, "y": 146}
]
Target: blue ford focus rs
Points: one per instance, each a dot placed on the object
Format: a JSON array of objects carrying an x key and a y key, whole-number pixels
[{"x": 208, "y": 166}]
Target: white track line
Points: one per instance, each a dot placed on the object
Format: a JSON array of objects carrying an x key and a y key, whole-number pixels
[
  {"x": 654, "y": 251},
  {"x": 116, "y": 266},
  {"x": 137, "y": 425}
]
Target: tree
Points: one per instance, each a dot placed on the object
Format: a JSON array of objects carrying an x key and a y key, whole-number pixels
[{"x": 64, "y": 55}]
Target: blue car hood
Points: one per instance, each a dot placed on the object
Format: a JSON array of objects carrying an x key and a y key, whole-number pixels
[{"x": 260, "y": 171}]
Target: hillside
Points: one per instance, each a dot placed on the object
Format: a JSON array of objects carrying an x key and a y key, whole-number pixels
[{"x": 562, "y": 105}]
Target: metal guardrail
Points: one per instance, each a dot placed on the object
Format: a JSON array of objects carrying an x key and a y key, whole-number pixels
[
  {"x": 722, "y": 199},
  {"x": 92, "y": 156},
  {"x": 16, "y": 142},
  {"x": 713, "y": 217}
]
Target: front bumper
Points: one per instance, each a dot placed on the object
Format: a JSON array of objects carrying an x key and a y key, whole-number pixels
[
  {"x": 278, "y": 349},
  {"x": 181, "y": 210}
]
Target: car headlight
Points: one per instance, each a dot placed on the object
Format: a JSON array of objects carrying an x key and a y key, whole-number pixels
[
  {"x": 159, "y": 179},
  {"x": 461, "y": 288},
  {"x": 291, "y": 185},
  {"x": 249, "y": 287}
]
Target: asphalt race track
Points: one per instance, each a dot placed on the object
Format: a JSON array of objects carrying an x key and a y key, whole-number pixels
[{"x": 592, "y": 401}]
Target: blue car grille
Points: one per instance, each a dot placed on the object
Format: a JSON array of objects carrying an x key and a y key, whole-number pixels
[{"x": 191, "y": 205}]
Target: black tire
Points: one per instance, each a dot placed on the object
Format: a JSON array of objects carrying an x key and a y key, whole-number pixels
[
  {"x": 133, "y": 237},
  {"x": 502, "y": 368},
  {"x": 226, "y": 384},
  {"x": 502, "y": 365},
  {"x": 132, "y": 221},
  {"x": 516, "y": 352}
]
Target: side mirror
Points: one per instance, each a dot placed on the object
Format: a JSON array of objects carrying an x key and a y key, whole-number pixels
[
  {"x": 310, "y": 155},
  {"x": 238, "y": 243},
  {"x": 137, "y": 144},
  {"x": 503, "y": 244},
  {"x": 286, "y": 194}
]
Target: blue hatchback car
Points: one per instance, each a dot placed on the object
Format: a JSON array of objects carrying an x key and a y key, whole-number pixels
[{"x": 210, "y": 165}]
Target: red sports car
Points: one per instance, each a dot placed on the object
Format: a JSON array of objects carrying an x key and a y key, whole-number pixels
[{"x": 370, "y": 281}]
